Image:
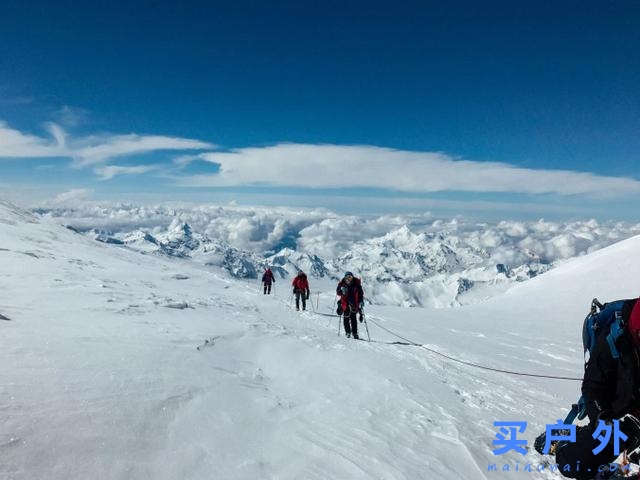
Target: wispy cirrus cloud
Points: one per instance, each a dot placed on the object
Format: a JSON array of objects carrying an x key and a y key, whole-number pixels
[
  {"x": 89, "y": 150},
  {"x": 336, "y": 166},
  {"x": 102, "y": 150},
  {"x": 72, "y": 196},
  {"x": 308, "y": 165},
  {"x": 70, "y": 116},
  {"x": 184, "y": 160},
  {"x": 110, "y": 171},
  {"x": 15, "y": 144}
]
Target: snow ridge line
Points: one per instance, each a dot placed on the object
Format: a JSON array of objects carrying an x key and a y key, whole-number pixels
[{"x": 470, "y": 364}]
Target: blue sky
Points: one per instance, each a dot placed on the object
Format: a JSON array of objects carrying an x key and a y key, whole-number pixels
[{"x": 137, "y": 100}]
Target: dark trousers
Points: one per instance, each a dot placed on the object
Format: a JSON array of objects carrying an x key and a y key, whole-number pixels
[
  {"x": 350, "y": 319},
  {"x": 301, "y": 294},
  {"x": 267, "y": 288},
  {"x": 576, "y": 460}
]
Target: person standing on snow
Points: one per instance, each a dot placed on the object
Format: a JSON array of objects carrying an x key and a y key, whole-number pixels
[
  {"x": 351, "y": 303},
  {"x": 301, "y": 289},
  {"x": 611, "y": 387},
  {"x": 267, "y": 279}
]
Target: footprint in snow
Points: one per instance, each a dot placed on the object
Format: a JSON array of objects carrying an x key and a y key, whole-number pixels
[
  {"x": 209, "y": 342},
  {"x": 178, "y": 305}
]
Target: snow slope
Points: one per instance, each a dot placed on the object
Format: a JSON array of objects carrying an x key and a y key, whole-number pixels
[{"x": 118, "y": 365}]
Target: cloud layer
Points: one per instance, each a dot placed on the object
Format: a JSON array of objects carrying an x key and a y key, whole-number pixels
[
  {"x": 90, "y": 150},
  {"x": 405, "y": 260},
  {"x": 309, "y": 166},
  {"x": 334, "y": 166},
  {"x": 109, "y": 171},
  {"x": 330, "y": 235}
]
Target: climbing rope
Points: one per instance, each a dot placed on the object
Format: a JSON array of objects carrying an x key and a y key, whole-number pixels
[
  {"x": 469, "y": 364},
  {"x": 409, "y": 342}
]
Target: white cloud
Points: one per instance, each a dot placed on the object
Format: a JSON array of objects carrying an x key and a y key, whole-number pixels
[
  {"x": 405, "y": 259},
  {"x": 109, "y": 171},
  {"x": 119, "y": 145},
  {"x": 16, "y": 144},
  {"x": 184, "y": 160},
  {"x": 330, "y": 235},
  {"x": 91, "y": 150},
  {"x": 71, "y": 116},
  {"x": 73, "y": 195},
  {"x": 59, "y": 135},
  {"x": 334, "y": 166}
]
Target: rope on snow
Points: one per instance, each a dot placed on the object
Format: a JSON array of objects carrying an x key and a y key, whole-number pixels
[{"x": 469, "y": 364}]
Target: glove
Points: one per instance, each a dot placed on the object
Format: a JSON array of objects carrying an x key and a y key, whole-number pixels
[
  {"x": 361, "y": 317},
  {"x": 606, "y": 416},
  {"x": 596, "y": 412},
  {"x": 339, "y": 309},
  {"x": 361, "y": 306},
  {"x": 308, "y": 294}
]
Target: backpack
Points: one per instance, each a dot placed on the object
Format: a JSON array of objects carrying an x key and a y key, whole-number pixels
[{"x": 610, "y": 318}]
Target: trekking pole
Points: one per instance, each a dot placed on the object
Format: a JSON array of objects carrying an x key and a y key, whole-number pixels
[
  {"x": 310, "y": 301},
  {"x": 339, "y": 322},
  {"x": 364, "y": 319},
  {"x": 318, "y": 301}
]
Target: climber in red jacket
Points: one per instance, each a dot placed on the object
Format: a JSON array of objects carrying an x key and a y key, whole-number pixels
[
  {"x": 301, "y": 289},
  {"x": 267, "y": 279},
  {"x": 351, "y": 302}
]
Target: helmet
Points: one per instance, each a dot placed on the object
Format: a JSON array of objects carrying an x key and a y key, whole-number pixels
[{"x": 348, "y": 274}]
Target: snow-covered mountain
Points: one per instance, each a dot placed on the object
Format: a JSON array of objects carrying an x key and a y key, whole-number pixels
[
  {"x": 399, "y": 268},
  {"x": 408, "y": 269},
  {"x": 120, "y": 365},
  {"x": 403, "y": 260}
]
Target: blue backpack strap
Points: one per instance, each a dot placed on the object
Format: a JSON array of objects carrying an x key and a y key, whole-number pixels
[
  {"x": 615, "y": 331},
  {"x": 588, "y": 333}
]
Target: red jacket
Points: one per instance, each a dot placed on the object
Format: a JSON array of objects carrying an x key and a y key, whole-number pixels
[
  {"x": 353, "y": 296},
  {"x": 268, "y": 276},
  {"x": 300, "y": 283}
]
